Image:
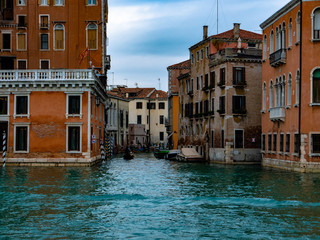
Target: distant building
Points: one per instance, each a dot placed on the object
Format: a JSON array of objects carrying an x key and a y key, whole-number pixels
[
  {"x": 220, "y": 99},
  {"x": 172, "y": 124},
  {"x": 52, "y": 105},
  {"x": 291, "y": 87},
  {"x": 117, "y": 121},
  {"x": 138, "y": 136},
  {"x": 148, "y": 107}
]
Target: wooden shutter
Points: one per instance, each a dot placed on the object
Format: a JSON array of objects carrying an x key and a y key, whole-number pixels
[
  {"x": 48, "y": 2},
  {"x": 92, "y": 41},
  {"x": 243, "y": 75},
  {"x": 21, "y": 41},
  {"x": 59, "y": 39},
  {"x": 39, "y": 2},
  {"x": 86, "y": 1}
]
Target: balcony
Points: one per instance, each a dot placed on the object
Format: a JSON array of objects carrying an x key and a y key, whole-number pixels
[
  {"x": 277, "y": 114},
  {"x": 278, "y": 58}
]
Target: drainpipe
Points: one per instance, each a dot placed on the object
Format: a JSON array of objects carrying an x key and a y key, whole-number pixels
[{"x": 300, "y": 80}]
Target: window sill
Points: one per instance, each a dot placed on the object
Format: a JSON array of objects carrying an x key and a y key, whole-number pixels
[
  {"x": 288, "y": 107},
  {"x": 314, "y": 155},
  {"x": 314, "y": 104},
  {"x": 73, "y": 116},
  {"x": 263, "y": 111},
  {"x": 71, "y": 152},
  {"x": 315, "y": 40},
  {"x": 297, "y": 43},
  {"x": 286, "y": 154},
  {"x": 21, "y": 152},
  {"x": 296, "y": 105},
  {"x": 290, "y": 47},
  {"x": 295, "y": 154},
  {"x": 21, "y": 116}
]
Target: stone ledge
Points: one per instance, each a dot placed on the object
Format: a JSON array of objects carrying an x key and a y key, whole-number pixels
[{"x": 312, "y": 167}]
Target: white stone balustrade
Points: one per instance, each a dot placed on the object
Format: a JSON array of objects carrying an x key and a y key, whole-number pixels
[{"x": 277, "y": 113}]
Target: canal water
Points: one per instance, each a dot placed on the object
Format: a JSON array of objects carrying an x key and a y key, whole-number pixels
[{"x": 146, "y": 198}]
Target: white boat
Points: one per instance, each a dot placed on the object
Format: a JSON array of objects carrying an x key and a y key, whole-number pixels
[
  {"x": 190, "y": 155},
  {"x": 172, "y": 154}
]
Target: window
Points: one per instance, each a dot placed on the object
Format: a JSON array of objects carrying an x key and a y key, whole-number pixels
[
  {"x": 92, "y": 31},
  {"x": 151, "y": 105},
  {"x": 127, "y": 120},
  {"x": 192, "y": 60},
  {"x": 139, "y": 119},
  {"x": 44, "y": 41},
  {"x": 21, "y": 138},
  {"x": 22, "y": 2},
  {"x": 315, "y": 138},
  {"x": 288, "y": 143},
  {"x": 22, "y": 21},
  {"x": 316, "y": 24},
  {"x": 22, "y": 64},
  {"x": 201, "y": 54},
  {"x": 289, "y": 90},
  {"x": 197, "y": 56},
  {"x": 58, "y": 2},
  {"x": 161, "y": 136},
  {"x": 239, "y": 76},
  {"x": 197, "y": 83},
  {"x": 222, "y": 138},
  {"x": 264, "y": 97},
  {"x": 161, "y": 105},
  {"x": 222, "y": 109},
  {"x": 271, "y": 95},
  {"x": 263, "y": 142},
  {"x": 139, "y": 105},
  {"x": 121, "y": 118},
  {"x": 212, "y": 138},
  {"x": 222, "y": 77},
  {"x": 212, "y": 105},
  {"x": 274, "y": 142},
  {"x": 74, "y": 139},
  {"x": 206, "y": 80},
  {"x": 91, "y": 2},
  {"x": 212, "y": 79},
  {"x": 271, "y": 41},
  {"x": 296, "y": 143},
  {"x": 316, "y": 86},
  {"x": 44, "y": 22},
  {"x": 3, "y": 105},
  {"x": 298, "y": 87},
  {"x": 43, "y": 2},
  {"x": 264, "y": 47},
  {"x": 59, "y": 37},
  {"x": 161, "y": 120},
  {"x": 238, "y": 138},
  {"x": 21, "y": 105},
  {"x": 290, "y": 33},
  {"x": 239, "y": 104},
  {"x": 298, "y": 20},
  {"x": 74, "y": 104},
  {"x": 6, "y": 41},
  {"x": 281, "y": 142},
  {"x": 44, "y": 64},
  {"x": 269, "y": 142},
  {"x": 207, "y": 51}
]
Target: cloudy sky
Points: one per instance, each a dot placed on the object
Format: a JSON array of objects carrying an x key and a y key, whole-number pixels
[{"x": 147, "y": 36}]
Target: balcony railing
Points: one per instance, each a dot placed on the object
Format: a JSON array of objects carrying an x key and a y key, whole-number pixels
[
  {"x": 277, "y": 58},
  {"x": 277, "y": 114},
  {"x": 47, "y": 75}
]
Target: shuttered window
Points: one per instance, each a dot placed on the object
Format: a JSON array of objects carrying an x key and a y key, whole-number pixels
[
  {"x": 92, "y": 36},
  {"x": 21, "y": 42},
  {"x": 316, "y": 86},
  {"x": 59, "y": 36},
  {"x": 316, "y": 24}
]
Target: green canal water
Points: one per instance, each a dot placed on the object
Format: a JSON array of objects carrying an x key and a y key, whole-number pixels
[{"x": 146, "y": 198}]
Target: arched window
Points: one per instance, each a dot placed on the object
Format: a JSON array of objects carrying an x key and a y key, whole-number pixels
[
  {"x": 271, "y": 94},
  {"x": 283, "y": 36},
  {"x": 276, "y": 93},
  {"x": 316, "y": 24},
  {"x": 92, "y": 31},
  {"x": 58, "y": 37},
  {"x": 289, "y": 90},
  {"x": 264, "y": 47},
  {"x": 283, "y": 91},
  {"x": 271, "y": 42},
  {"x": 290, "y": 33},
  {"x": 264, "y": 96},
  {"x": 316, "y": 86},
  {"x": 277, "y": 39},
  {"x": 297, "y": 87},
  {"x": 298, "y": 20}
]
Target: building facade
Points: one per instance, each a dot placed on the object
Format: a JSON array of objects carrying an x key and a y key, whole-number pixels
[
  {"x": 148, "y": 107},
  {"x": 52, "y": 105},
  {"x": 220, "y": 98},
  {"x": 290, "y": 87},
  {"x": 172, "y": 123}
]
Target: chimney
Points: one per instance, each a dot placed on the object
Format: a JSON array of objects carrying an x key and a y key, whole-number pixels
[
  {"x": 205, "y": 32},
  {"x": 236, "y": 30}
]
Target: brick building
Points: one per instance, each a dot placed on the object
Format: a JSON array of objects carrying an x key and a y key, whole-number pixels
[
  {"x": 220, "y": 98},
  {"x": 290, "y": 87},
  {"x": 52, "y": 105}
]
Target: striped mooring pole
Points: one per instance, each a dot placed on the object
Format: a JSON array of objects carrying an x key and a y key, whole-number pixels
[
  {"x": 4, "y": 147},
  {"x": 102, "y": 150}
]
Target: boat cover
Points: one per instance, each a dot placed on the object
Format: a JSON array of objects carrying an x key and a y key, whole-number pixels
[{"x": 190, "y": 153}]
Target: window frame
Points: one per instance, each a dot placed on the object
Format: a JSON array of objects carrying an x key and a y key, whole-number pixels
[
  {"x": 22, "y": 60},
  {"x": 235, "y": 143},
  {"x": 79, "y": 125},
  {"x": 313, "y": 17},
  {"x": 87, "y": 36},
  {"x": 63, "y": 36},
  {"x": 48, "y": 43},
  {"x": 21, "y": 94},
  {"x": 8, "y": 105},
  {"x": 41, "y": 23},
  {"x": 138, "y": 105},
  {"x": 25, "y": 41},
  {"x": 62, "y": 3},
  {"x": 43, "y": 60},
  {"x": 313, "y": 102},
  {"x": 92, "y": 3},
  {"x": 21, "y": 4},
  {"x": 4, "y": 32},
  {"x": 72, "y": 94},
  {"x": 16, "y": 125},
  {"x": 312, "y": 153}
]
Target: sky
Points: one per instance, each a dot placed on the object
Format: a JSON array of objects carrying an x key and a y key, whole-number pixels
[{"x": 147, "y": 36}]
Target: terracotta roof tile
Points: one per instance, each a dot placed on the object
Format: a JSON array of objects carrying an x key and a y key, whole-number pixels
[
  {"x": 182, "y": 65},
  {"x": 244, "y": 34}
]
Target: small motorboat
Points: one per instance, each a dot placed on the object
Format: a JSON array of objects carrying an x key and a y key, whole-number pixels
[
  {"x": 160, "y": 153},
  {"x": 172, "y": 154},
  {"x": 189, "y": 155},
  {"x": 128, "y": 154}
]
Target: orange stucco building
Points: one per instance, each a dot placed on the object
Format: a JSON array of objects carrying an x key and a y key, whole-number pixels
[
  {"x": 291, "y": 87},
  {"x": 174, "y": 72},
  {"x": 53, "y": 65}
]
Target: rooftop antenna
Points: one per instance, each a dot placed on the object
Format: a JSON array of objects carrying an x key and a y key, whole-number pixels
[
  {"x": 159, "y": 84},
  {"x": 136, "y": 84}
]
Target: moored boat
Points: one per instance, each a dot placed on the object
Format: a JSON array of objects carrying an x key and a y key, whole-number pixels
[
  {"x": 172, "y": 154},
  {"x": 190, "y": 155},
  {"x": 160, "y": 153}
]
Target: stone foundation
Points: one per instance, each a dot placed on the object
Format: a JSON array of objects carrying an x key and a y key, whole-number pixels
[{"x": 303, "y": 166}]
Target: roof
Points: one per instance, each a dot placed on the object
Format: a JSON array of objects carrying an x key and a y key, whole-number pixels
[
  {"x": 244, "y": 34},
  {"x": 140, "y": 93},
  {"x": 182, "y": 65}
]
